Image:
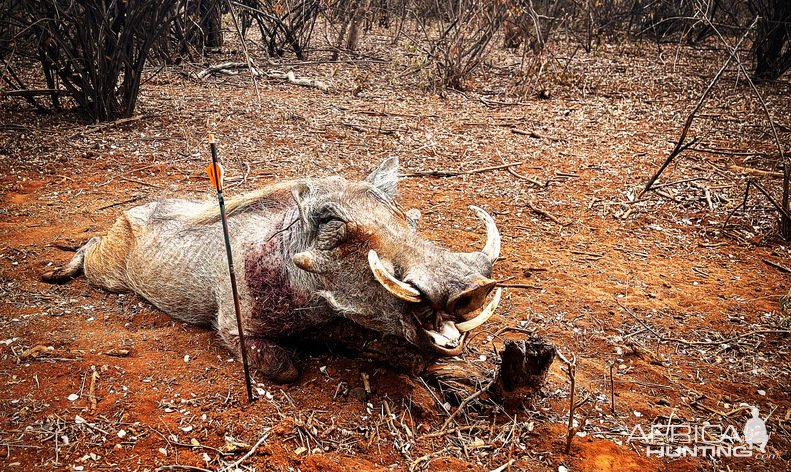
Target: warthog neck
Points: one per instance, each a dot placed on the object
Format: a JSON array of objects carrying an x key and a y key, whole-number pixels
[{"x": 282, "y": 300}]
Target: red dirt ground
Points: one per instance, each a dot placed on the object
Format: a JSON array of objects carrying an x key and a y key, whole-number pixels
[{"x": 686, "y": 312}]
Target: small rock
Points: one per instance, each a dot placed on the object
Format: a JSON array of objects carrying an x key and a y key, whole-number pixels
[
  {"x": 73, "y": 397},
  {"x": 163, "y": 451},
  {"x": 762, "y": 393},
  {"x": 121, "y": 433},
  {"x": 562, "y": 468},
  {"x": 187, "y": 358}
]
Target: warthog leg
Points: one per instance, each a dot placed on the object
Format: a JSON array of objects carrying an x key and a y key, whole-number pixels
[
  {"x": 267, "y": 357},
  {"x": 73, "y": 269}
]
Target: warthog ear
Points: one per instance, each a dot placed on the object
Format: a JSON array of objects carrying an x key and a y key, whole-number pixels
[
  {"x": 301, "y": 192},
  {"x": 385, "y": 178}
]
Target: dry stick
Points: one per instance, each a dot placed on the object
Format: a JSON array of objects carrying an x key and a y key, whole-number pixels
[
  {"x": 680, "y": 145},
  {"x": 248, "y": 454},
  {"x": 131, "y": 200},
  {"x": 766, "y": 194},
  {"x": 244, "y": 49},
  {"x": 777, "y": 266},
  {"x": 544, "y": 213},
  {"x": 571, "y": 371},
  {"x": 525, "y": 177},
  {"x": 612, "y": 389},
  {"x": 92, "y": 390},
  {"x": 454, "y": 173},
  {"x": 525, "y": 286},
  {"x": 466, "y": 402}
]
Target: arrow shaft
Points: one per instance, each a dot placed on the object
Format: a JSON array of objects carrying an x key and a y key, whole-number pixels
[{"x": 236, "y": 306}]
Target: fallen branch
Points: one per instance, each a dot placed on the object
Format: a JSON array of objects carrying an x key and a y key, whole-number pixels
[
  {"x": 754, "y": 171},
  {"x": 454, "y": 173},
  {"x": 270, "y": 74},
  {"x": 544, "y": 213},
  {"x": 777, "y": 266}
]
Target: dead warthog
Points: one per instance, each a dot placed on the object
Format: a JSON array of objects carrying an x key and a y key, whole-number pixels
[{"x": 308, "y": 251}]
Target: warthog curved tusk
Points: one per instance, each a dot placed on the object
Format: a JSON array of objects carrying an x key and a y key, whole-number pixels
[
  {"x": 484, "y": 315},
  {"x": 390, "y": 283},
  {"x": 492, "y": 248}
]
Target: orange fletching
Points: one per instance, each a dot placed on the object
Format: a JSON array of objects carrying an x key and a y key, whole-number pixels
[{"x": 215, "y": 174}]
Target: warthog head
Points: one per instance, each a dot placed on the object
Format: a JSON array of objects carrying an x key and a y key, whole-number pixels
[{"x": 372, "y": 267}]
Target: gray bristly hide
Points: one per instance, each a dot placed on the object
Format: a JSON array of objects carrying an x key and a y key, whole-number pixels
[{"x": 306, "y": 252}]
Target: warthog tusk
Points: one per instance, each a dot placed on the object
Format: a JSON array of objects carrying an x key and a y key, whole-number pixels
[
  {"x": 484, "y": 315},
  {"x": 492, "y": 248},
  {"x": 390, "y": 283}
]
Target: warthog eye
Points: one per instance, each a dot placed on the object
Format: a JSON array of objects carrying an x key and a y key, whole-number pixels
[
  {"x": 332, "y": 230},
  {"x": 327, "y": 214}
]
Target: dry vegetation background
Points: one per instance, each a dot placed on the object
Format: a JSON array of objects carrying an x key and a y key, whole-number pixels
[{"x": 552, "y": 115}]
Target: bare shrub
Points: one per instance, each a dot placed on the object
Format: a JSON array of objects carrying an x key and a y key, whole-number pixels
[
  {"x": 772, "y": 45},
  {"x": 94, "y": 49},
  {"x": 284, "y": 24},
  {"x": 460, "y": 37}
]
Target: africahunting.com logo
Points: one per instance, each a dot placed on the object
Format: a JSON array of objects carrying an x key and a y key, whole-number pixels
[{"x": 674, "y": 439}]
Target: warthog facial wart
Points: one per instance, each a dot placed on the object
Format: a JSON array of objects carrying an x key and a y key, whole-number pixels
[{"x": 309, "y": 252}]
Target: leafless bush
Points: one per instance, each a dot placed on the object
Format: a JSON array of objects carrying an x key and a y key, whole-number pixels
[
  {"x": 458, "y": 40},
  {"x": 772, "y": 45},
  {"x": 284, "y": 24},
  {"x": 196, "y": 28},
  {"x": 92, "y": 50}
]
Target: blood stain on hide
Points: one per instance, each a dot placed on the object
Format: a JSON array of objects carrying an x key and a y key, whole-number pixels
[{"x": 276, "y": 304}]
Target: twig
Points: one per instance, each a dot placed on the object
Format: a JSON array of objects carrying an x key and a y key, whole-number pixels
[
  {"x": 190, "y": 468},
  {"x": 544, "y": 213},
  {"x": 453, "y": 173},
  {"x": 766, "y": 194},
  {"x": 612, "y": 389},
  {"x": 777, "y": 266},
  {"x": 754, "y": 171},
  {"x": 244, "y": 49},
  {"x": 249, "y": 453},
  {"x": 571, "y": 371},
  {"x": 133, "y": 199},
  {"x": 528, "y": 178},
  {"x": 525, "y": 286},
  {"x": 425, "y": 458},
  {"x": 466, "y": 402},
  {"x": 92, "y": 390},
  {"x": 438, "y": 434},
  {"x": 534, "y": 134}
]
